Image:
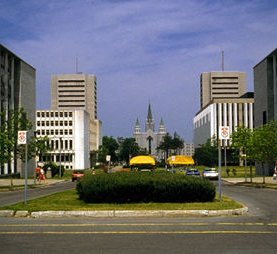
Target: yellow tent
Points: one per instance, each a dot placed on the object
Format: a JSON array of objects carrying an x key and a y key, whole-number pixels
[
  {"x": 142, "y": 160},
  {"x": 180, "y": 160}
]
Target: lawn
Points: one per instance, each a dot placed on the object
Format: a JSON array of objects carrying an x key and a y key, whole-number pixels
[{"x": 68, "y": 201}]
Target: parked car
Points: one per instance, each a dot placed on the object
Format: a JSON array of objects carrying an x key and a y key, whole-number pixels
[
  {"x": 76, "y": 175},
  {"x": 192, "y": 172},
  {"x": 210, "y": 173}
]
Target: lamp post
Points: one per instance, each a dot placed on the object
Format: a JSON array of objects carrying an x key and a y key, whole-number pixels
[{"x": 60, "y": 166}]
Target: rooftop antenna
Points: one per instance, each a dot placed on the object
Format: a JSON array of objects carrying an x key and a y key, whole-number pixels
[
  {"x": 76, "y": 64},
  {"x": 222, "y": 60}
]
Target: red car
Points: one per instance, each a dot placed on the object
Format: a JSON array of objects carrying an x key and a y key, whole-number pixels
[{"x": 76, "y": 175}]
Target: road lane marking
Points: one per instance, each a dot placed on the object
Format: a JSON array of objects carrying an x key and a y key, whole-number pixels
[{"x": 137, "y": 232}]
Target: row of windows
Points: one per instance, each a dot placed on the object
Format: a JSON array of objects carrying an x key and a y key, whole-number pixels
[
  {"x": 66, "y": 144},
  {"x": 71, "y": 100},
  {"x": 54, "y": 114},
  {"x": 54, "y": 123},
  {"x": 54, "y": 132}
]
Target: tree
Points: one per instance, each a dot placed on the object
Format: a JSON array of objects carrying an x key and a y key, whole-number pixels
[
  {"x": 11, "y": 123},
  {"x": 207, "y": 154},
  {"x": 241, "y": 142},
  {"x": 177, "y": 143},
  {"x": 128, "y": 149},
  {"x": 109, "y": 147},
  {"x": 263, "y": 144},
  {"x": 166, "y": 144}
]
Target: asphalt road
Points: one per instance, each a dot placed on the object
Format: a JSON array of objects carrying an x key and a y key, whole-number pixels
[
  {"x": 13, "y": 197},
  {"x": 255, "y": 232}
]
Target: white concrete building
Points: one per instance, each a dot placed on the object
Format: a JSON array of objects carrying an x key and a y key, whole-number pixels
[
  {"x": 230, "y": 112},
  {"x": 68, "y": 131},
  {"x": 188, "y": 149}
]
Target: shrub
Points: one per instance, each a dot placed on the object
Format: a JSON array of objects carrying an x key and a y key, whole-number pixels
[
  {"x": 55, "y": 169},
  {"x": 144, "y": 187}
]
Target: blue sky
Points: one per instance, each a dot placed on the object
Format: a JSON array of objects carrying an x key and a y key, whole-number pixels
[{"x": 140, "y": 50}]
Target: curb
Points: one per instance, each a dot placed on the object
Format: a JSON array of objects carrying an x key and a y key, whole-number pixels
[{"x": 124, "y": 213}]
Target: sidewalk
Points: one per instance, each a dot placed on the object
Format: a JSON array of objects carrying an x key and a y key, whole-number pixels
[
  {"x": 21, "y": 182},
  {"x": 268, "y": 179}
]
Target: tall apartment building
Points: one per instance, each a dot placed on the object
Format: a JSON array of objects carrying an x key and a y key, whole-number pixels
[
  {"x": 17, "y": 90},
  {"x": 68, "y": 133},
  {"x": 78, "y": 91},
  {"x": 265, "y": 85},
  {"x": 223, "y": 84}
]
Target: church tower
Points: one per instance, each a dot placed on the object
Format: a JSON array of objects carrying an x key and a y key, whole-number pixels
[
  {"x": 149, "y": 125},
  {"x": 150, "y": 140}
]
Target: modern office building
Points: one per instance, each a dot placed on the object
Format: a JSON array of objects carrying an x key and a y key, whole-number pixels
[
  {"x": 188, "y": 149},
  {"x": 150, "y": 139},
  {"x": 230, "y": 112},
  {"x": 222, "y": 84},
  {"x": 68, "y": 133},
  {"x": 265, "y": 85},
  {"x": 78, "y": 91},
  {"x": 17, "y": 90}
]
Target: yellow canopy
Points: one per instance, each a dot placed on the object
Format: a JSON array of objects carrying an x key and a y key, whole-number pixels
[
  {"x": 180, "y": 160},
  {"x": 142, "y": 159}
]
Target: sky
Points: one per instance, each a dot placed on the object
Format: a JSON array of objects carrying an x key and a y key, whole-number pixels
[{"x": 141, "y": 51}]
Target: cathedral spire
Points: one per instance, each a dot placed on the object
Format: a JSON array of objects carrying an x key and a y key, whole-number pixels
[
  {"x": 161, "y": 127},
  {"x": 149, "y": 120},
  {"x": 137, "y": 127}
]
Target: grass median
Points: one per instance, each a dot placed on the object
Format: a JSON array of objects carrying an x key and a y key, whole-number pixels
[{"x": 69, "y": 201}]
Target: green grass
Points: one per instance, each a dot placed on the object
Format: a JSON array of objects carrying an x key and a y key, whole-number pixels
[{"x": 68, "y": 201}]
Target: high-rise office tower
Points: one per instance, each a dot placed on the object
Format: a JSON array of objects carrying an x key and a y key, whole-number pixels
[
  {"x": 221, "y": 84},
  {"x": 78, "y": 91},
  {"x": 17, "y": 90}
]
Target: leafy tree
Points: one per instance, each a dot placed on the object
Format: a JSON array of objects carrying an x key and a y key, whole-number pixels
[
  {"x": 177, "y": 143},
  {"x": 263, "y": 144},
  {"x": 241, "y": 143},
  {"x": 166, "y": 144},
  {"x": 11, "y": 123},
  {"x": 170, "y": 143},
  {"x": 128, "y": 149},
  {"x": 109, "y": 147},
  {"x": 207, "y": 154}
]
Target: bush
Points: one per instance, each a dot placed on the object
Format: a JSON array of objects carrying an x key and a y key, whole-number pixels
[
  {"x": 55, "y": 169},
  {"x": 144, "y": 187}
]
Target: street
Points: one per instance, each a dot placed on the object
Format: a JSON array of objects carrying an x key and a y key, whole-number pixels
[{"x": 255, "y": 232}]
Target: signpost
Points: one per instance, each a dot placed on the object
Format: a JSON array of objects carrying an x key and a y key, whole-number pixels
[
  {"x": 22, "y": 140},
  {"x": 224, "y": 134},
  {"x": 108, "y": 159}
]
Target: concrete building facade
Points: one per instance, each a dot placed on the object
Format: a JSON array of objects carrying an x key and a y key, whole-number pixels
[
  {"x": 68, "y": 133},
  {"x": 265, "y": 85},
  {"x": 223, "y": 84},
  {"x": 230, "y": 112},
  {"x": 17, "y": 90},
  {"x": 150, "y": 139},
  {"x": 78, "y": 91}
]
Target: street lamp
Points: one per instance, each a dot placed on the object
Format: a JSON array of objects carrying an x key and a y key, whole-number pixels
[{"x": 60, "y": 167}]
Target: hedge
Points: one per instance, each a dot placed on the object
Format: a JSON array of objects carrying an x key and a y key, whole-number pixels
[{"x": 125, "y": 187}]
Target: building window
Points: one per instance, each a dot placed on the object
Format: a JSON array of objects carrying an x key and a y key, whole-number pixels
[
  {"x": 264, "y": 117},
  {"x": 47, "y": 114},
  {"x": 38, "y": 114},
  {"x": 52, "y": 114}
]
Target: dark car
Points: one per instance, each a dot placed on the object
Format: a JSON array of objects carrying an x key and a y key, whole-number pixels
[
  {"x": 76, "y": 175},
  {"x": 192, "y": 172}
]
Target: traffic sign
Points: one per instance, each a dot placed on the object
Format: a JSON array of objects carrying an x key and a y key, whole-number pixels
[
  {"x": 22, "y": 137},
  {"x": 224, "y": 132}
]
